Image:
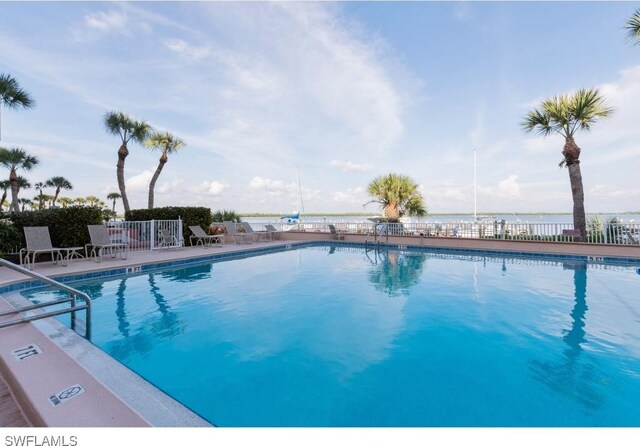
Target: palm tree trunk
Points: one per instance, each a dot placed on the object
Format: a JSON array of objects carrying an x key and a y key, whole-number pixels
[
  {"x": 40, "y": 201},
  {"x": 571, "y": 154},
  {"x": 392, "y": 212},
  {"x": 152, "y": 184},
  {"x": 4, "y": 197},
  {"x": 13, "y": 179},
  {"x": 55, "y": 197},
  {"x": 123, "y": 152}
]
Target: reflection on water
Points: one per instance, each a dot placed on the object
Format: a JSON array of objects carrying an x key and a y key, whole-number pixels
[
  {"x": 570, "y": 376},
  {"x": 394, "y": 272},
  {"x": 187, "y": 275}
]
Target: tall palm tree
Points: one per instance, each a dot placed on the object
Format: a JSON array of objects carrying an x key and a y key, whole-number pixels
[
  {"x": 4, "y": 185},
  {"x": 114, "y": 196},
  {"x": 12, "y": 96},
  {"x": 565, "y": 114},
  {"x": 128, "y": 129},
  {"x": 23, "y": 183},
  {"x": 40, "y": 188},
  {"x": 15, "y": 159},
  {"x": 398, "y": 196},
  {"x": 59, "y": 183},
  {"x": 167, "y": 143},
  {"x": 633, "y": 27}
]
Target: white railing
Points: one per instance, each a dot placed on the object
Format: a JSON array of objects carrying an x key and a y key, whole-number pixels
[
  {"x": 143, "y": 235},
  {"x": 606, "y": 233}
]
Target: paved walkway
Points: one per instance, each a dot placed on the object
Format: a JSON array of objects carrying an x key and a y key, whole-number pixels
[{"x": 10, "y": 413}]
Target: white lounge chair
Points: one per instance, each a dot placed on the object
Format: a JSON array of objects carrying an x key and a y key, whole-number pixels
[
  {"x": 249, "y": 230},
  {"x": 274, "y": 234},
  {"x": 337, "y": 235},
  {"x": 204, "y": 239},
  {"x": 233, "y": 233},
  {"x": 101, "y": 242},
  {"x": 168, "y": 241},
  {"x": 38, "y": 242}
]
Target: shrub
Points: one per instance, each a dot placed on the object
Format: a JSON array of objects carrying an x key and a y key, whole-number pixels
[
  {"x": 190, "y": 215},
  {"x": 224, "y": 215},
  {"x": 9, "y": 239},
  {"x": 67, "y": 226}
]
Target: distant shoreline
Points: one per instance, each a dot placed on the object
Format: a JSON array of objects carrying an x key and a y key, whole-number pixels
[{"x": 368, "y": 214}]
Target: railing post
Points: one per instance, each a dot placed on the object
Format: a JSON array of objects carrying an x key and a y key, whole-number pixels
[
  {"x": 152, "y": 235},
  {"x": 179, "y": 237},
  {"x": 73, "y": 311}
]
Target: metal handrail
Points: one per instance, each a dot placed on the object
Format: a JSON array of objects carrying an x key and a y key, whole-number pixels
[{"x": 72, "y": 299}]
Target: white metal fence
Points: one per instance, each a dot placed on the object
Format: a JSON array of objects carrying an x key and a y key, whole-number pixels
[
  {"x": 144, "y": 235},
  {"x": 612, "y": 233}
]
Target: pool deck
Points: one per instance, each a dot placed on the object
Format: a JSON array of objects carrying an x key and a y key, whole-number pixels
[{"x": 132, "y": 401}]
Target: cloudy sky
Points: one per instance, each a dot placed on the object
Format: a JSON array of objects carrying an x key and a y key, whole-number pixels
[{"x": 341, "y": 91}]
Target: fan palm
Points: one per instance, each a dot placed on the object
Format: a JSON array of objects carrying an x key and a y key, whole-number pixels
[
  {"x": 80, "y": 201},
  {"x": 40, "y": 188},
  {"x": 59, "y": 183},
  {"x": 114, "y": 196},
  {"x": 65, "y": 201},
  {"x": 398, "y": 196},
  {"x": 167, "y": 143},
  {"x": 128, "y": 129},
  {"x": 565, "y": 114},
  {"x": 15, "y": 159},
  {"x": 12, "y": 96},
  {"x": 24, "y": 202},
  {"x": 633, "y": 27}
]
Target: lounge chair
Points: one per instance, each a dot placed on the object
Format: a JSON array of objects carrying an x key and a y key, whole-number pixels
[
  {"x": 274, "y": 234},
  {"x": 204, "y": 239},
  {"x": 337, "y": 235},
  {"x": 168, "y": 241},
  {"x": 101, "y": 242},
  {"x": 249, "y": 230},
  {"x": 233, "y": 233},
  {"x": 38, "y": 242}
]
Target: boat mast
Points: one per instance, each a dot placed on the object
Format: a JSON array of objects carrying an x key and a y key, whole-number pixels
[
  {"x": 301, "y": 203},
  {"x": 475, "y": 186}
]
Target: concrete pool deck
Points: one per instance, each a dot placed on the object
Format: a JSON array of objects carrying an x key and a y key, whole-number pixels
[{"x": 142, "y": 403}]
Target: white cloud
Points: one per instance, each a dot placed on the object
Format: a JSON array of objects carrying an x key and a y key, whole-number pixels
[
  {"x": 140, "y": 181},
  {"x": 349, "y": 166},
  {"x": 508, "y": 188},
  {"x": 352, "y": 197},
  {"x": 186, "y": 50},
  {"x": 272, "y": 187},
  {"x": 106, "y": 20},
  {"x": 171, "y": 187},
  {"x": 213, "y": 188}
]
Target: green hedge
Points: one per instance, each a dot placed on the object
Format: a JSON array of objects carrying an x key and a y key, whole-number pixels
[
  {"x": 190, "y": 216},
  {"x": 67, "y": 226}
]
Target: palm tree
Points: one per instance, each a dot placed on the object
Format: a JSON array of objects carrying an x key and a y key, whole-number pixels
[
  {"x": 24, "y": 202},
  {"x": 167, "y": 143},
  {"x": 633, "y": 27},
  {"x": 40, "y": 187},
  {"x": 47, "y": 201},
  {"x": 565, "y": 114},
  {"x": 398, "y": 196},
  {"x": 128, "y": 129},
  {"x": 14, "y": 159},
  {"x": 4, "y": 185},
  {"x": 80, "y": 201},
  {"x": 59, "y": 183},
  {"x": 113, "y": 196},
  {"x": 65, "y": 201},
  {"x": 12, "y": 96},
  {"x": 23, "y": 183},
  {"x": 92, "y": 200}
]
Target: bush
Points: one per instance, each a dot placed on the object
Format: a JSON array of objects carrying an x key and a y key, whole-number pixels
[
  {"x": 190, "y": 215},
  {"x": 67, "y": 226},
  {"x": 224, "y": 215},
  {"x": 9, "y": 238}
]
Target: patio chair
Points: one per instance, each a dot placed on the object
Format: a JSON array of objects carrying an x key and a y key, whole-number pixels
[
  {"x": 233, "y": 233},
  {"x": 168, "y": 241},
  {"x": 274, "y": 234},
  {"x": 101, "y": 242},
  {"x": 249, "y": 230},
  {"x": 204, "y": 239},
  {"x": 38, "y": 242},
  {"x": 337, "y": 235}
]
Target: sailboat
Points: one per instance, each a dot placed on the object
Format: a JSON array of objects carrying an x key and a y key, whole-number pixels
[{"x": 293, "y": 221}]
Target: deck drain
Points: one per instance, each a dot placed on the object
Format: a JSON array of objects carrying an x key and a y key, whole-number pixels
[
  {"x": 65, "y": 395},
  {"x": 26, "y": 352}
]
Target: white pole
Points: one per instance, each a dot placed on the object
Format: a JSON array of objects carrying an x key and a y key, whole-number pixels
[{"x": 475, "y": 187}]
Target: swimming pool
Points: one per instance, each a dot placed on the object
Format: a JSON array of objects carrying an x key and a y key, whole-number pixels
[{"x": 343, "y": 336}]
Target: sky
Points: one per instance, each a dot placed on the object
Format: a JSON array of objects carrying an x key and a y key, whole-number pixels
[{"x": 339, "y": 92}]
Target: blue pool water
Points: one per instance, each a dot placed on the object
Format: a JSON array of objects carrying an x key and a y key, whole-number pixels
[{"x": 326, "y": 336}]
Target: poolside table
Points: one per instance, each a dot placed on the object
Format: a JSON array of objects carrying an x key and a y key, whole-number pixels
[{"x": 73, "y": 252}]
